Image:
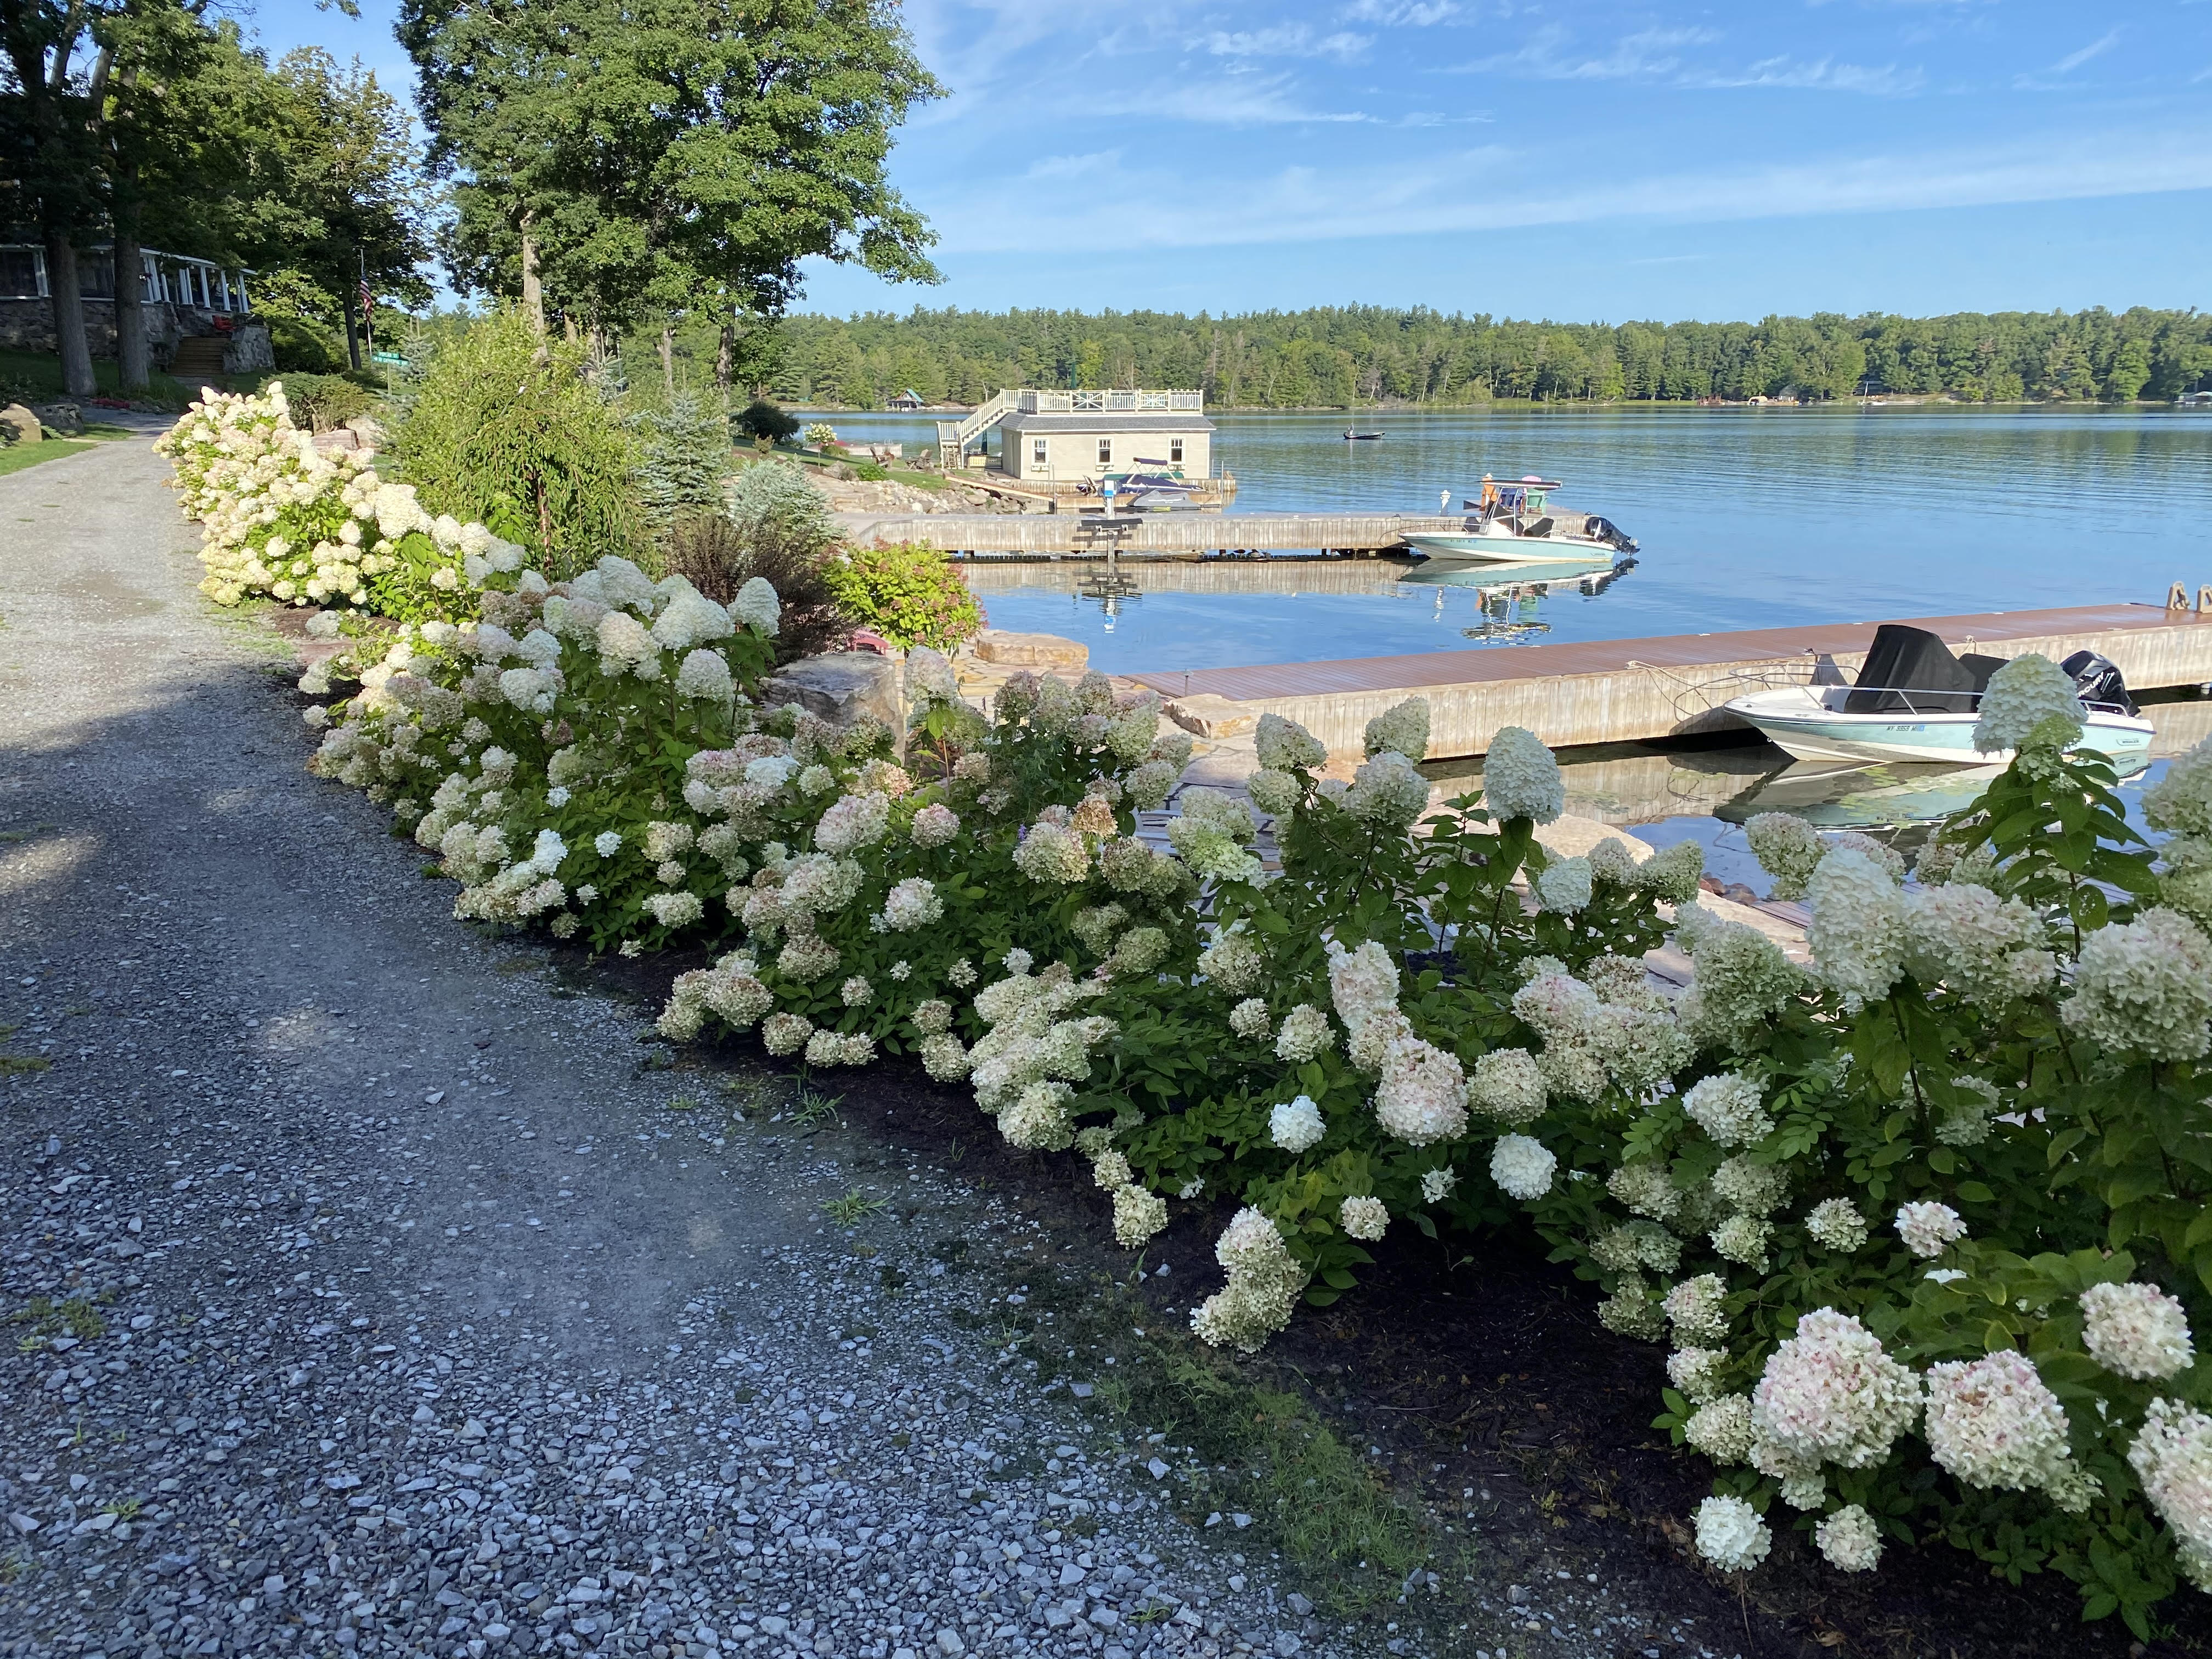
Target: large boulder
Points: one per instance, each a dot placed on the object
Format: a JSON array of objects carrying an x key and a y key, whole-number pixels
[
  {"x": 22, "y": 426},
  {"x": 841, "y": 687},
  {"x": 65, "y": 418},
  {"x": 1009, "y": 650},
  {"x": 1204, "y": 715}
]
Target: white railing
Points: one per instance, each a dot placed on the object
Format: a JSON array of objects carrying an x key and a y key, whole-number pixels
[{"x": 1131, "y": 402}]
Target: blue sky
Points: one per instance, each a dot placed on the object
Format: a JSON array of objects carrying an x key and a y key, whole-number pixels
[{"x": 1575, "y": 161}]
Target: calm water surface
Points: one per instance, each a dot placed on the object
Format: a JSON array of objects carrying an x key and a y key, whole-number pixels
[{"x": 1749, "y": 518}]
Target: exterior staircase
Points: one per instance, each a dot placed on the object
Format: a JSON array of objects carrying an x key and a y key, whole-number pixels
[
  {"x": 953, "y": 437},
  {"x": 199, "y": 358}
]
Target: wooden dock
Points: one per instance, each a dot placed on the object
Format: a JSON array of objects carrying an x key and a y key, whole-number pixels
[
  {"x": 1145, "y": 535},
  {"x": 1635, "y": 690}
]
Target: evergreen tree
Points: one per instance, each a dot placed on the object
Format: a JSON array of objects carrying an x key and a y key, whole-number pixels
[{"x": 683, "y": 457}]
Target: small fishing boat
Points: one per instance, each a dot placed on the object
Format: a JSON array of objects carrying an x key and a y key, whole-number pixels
[
  {"x": 1512, "y": 524},
  {"x": 1914, "y": 701},
  {"x": 1351, "y": 437}
]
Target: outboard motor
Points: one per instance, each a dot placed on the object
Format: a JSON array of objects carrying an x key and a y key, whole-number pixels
[
  {"x": 1605, "y": 530},
  {"x": 2097, "y": 680}
]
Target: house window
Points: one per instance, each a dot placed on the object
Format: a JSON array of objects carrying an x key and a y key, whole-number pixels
[
  {"x": 1037, "y": 452},
  {"x": 19, "y": 273},
  {"x": 1105, "y": 452},
  {"x": 1174, "y": 451}
]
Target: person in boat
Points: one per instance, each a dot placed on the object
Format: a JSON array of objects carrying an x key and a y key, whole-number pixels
[{"x": 1489, "y": 492}]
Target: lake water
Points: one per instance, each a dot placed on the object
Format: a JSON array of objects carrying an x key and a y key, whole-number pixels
[{"x": 1748, "y": 518}]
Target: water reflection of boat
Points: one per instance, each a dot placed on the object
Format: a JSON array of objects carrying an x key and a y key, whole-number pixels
[
  {"x": 1858, "y": 795},
  {"x": 1542, "y": 573}
]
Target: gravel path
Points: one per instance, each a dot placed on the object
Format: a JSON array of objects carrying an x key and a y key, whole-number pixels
[{"x": 369, "y": 1297}]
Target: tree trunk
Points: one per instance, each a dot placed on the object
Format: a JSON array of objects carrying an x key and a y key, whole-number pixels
[
  {"x": 726, "y": 352},
  {"x": 668, "y": 361},
  {"x": 533, "y": 294},
  {"x": 68, "y": 300},
  {"x": 353, "y": 332},
  {"x": 134, "y": 363}
]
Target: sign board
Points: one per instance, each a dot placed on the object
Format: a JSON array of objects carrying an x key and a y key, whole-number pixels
[{"x": 392, "y": 357}]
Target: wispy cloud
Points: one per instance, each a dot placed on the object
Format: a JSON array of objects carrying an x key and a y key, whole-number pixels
[
  {"x": 1243, "y": 100},
  {"x": 2047, "y": 79},
  {"x": 1548, "y": 55},
  {"x": 1446, "y": 192},
  {"x": 1402, "y": 13},
  {"x": 1287, "y": 40},
  {"x": 1825, "y": 75}
]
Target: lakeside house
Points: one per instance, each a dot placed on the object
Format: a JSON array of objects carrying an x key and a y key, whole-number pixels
[
  {"x": 1078, "y": 437},
  {"x": 907, "y": 402},
  {"x": 198, "y": 315}
]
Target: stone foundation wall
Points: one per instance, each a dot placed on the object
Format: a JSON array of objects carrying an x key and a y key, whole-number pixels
[{"x": 28, "y": 325}]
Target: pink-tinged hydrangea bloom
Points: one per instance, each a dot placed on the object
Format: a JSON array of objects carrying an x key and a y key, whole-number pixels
[
  {"x": 1988, "y": 948},
  {"x": 1731, "y": 1536},
  {"x": 853, "y": 822},
  {"x": 1829, "y": 1394},
  {"x": 2172, "y": 1458},
  {"x": 1993, "y": 1422},
  {"x": 1508, "y": 1087},
  {"x": 1850, "y": 1540},
  {"x": 1421, "y": 1096},
  {"x": 934, "y": 825},
  {"x": 1928, "y": 1228},
  {"x": 912, "y": 903},
  {"x": 2136, "y": 1330}
]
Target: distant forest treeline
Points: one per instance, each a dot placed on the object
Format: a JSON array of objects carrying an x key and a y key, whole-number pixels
[{"x": 1351, "y": 355}]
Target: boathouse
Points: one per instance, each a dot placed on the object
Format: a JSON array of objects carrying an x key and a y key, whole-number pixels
[
  {"x": 198, "y": 319},
  {"x": 1082, "y": 437}
]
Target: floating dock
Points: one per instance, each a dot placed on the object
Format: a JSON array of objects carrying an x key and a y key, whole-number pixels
[
  {"x": 1638, "y": 690},
  {"x": 1145, "y": 535}
]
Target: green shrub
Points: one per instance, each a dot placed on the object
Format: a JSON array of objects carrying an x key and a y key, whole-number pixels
[
  {"x": 711, "y": 553},
  {"x": 322, "y": 402},
  {"x": 683, "y": 456},
  {"x": 763, "y": 419},
  {"x": 908, "y": 593},
  {"x": 869, "y": 472},
  {"x": 504, "y": 427}
]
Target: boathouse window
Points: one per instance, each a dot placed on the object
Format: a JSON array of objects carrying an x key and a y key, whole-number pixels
[
  {"x": 1174, "y": 451},
  {"x": 20, "y": 274},
  {"x": 1037, "y": 452},
  {"x": 1105, "y": 452}
]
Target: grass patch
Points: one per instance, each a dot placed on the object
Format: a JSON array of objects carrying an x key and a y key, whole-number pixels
[
  {"x": 17, "y": 457},
  {"x": 853, "y": 1208},
  {"x": 920, "y": 480},
  {"x": 37, "y": 376},
  {"x": 75, "y": 1317}
]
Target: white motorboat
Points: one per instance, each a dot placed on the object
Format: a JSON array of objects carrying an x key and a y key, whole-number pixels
[
  {"x": 1913, "y": 701},
  {"x": 1510, "y": 523}
]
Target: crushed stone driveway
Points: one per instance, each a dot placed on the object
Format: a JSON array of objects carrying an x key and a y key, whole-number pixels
[{"x": 367, "y": 1296}]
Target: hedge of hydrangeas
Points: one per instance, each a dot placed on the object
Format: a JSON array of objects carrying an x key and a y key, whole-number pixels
[{"x": 1920, "y": 1223}]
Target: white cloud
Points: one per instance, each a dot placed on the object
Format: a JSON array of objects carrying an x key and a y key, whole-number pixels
[
  {"x": 1446, "y": 193},
  {"x": 1244, "y": 100},
  {"x": 1287, "y": 40},
  {"x": 1406, "y": 14},
  {"x": 1648, "y": 54},
  {"x": 1825, "y": 75},
  {"x": 2051, "y": 79}
]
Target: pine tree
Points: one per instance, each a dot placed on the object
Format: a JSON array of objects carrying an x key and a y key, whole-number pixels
[{"x": 683, "y": 456}]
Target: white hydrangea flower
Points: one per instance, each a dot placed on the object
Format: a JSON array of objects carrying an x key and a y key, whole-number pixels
[
  {"x": 1928, "y": 1228},
  {"x": 1742, "y": 1238},
  {"x": 1858, "y": 930},
  {"x": 1264, "y": 1282},
  {"x": 1284, "y": 745},
  {"x": 2172, "y": 1458},
  {"x": 1563, "y": 885},
  {"x": 1829, "y": 1394},
  {"x": 1508, "y": 1087},
  {"x": 1420, "y": 1096},
  {"x": 771, "y": 771},
  {"x": 1437, "y": 1184},
  {"x": 1295, "y": 1125},
  {"x": 1305, "y": 1035},
  {"x": 1989, "y": 948},
  {"x": 2031, "y": 703},
  {"x": 1387, "y": 790},
  {"x": 1728, "y": 1107},
  {"x": 1272, "y": 792},
  {"x": 2180, "y": 803},
  {"x": 1138, "y": 1214},
  {"x": 1850, "y": 1540},
  {"x": 856, "y": 991},
  {"x": 757, "y": 607},
  {"x": 1402, "y": 730},
  {"x": 1837, "y": 1224},
  {"x": 2145, "y": 987},
  {"x": 2136, "y": 1330},
  {"x": 705, "y": 676},
  {"x": 1697, "y": 1372},
  {"x": 1788, "y": 848},
  {"x": 1249, "y": 1018},
  {"x": 1731, "y": 1536},
  {"x": 934, "y": 825},
  {"x": 1720, "y": 1428},
  {"x": 1750, "y": 1187},
  {"x": 1697, "y": 1308},
  {"x": 913, "y": 903},
  {"x": 1364, "y": 1219},
  {"x": 1051, "y": 853},
  {"x": 1521, "y": 779},
  {"x": 1522, "y": 1166}
]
